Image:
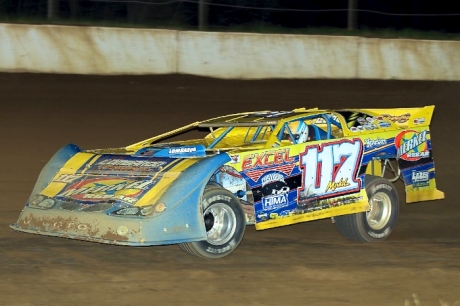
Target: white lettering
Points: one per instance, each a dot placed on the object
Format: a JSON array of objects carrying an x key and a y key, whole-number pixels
[
  {"x": 272, "y": 177},
  {"x": 182, "y": 150},
  {"x": 67, "y": 178},
  {"x": 275, "y": 202},
  {"x": 411, "y": 144},
  {"x": 132, "y": 163},
  {"x": 331, "y": 169},
  {"x": 372, "y": 143},
  {"x": 380, "y": 186},
  {"x": 420, "y": 176}
]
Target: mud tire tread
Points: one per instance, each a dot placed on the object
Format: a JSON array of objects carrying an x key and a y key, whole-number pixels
[{"x": 355, "y": 227}]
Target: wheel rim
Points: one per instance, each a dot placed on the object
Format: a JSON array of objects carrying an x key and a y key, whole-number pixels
[
  {"x": 380, "y": 212},
  {"x": 220, "y": 223}
]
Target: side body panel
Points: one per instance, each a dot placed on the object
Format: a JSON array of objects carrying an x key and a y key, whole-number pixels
[
  {"x": 321, "y": 179},
  {"x": 415, "y": 158},
  {"x": 304, "y": 182}
]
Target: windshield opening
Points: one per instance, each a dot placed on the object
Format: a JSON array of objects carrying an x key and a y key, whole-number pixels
[{"x": 225, "y": 137}]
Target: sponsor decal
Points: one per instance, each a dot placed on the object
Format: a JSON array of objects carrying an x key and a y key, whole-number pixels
[
  {"x": 231, "y": 171},
  {"x": 277, "y": 195},
  {"x": 321, "y": 120},
  {"x": 420, "y": 178},
  {"x": 362, "y": 120},
  {"x": 275, "y": 202},
  {"x": 67, "y": 178},
  {"x": 356, "y": 119},
  {"x": 256, "y": 174},
  {"x": 311, "y": 204},
  {"x": 266, "y": 159},
  {"x": 370, "y": 126},
  {"x": 397, "y": 119},
  {"x": 182, "y": 150},
  {"x": 340, "y": 184},
  {"x": 282, "y": 190},
  {"x": 342, "y": 201},
  {"x": 419, "y": 120},
  {"x": 286, "y": 213},
  {"x": 374, "y": 143},
  {"x": 384, "y": 124},
  {"x": 331, "y": 169},
  {"x": 263, "y": 216},
  {"x": 257, "y": 164},
  {"x": 412, "y": 145},
  {"x": 269, "y": 114},
  {"x": 272, "y": 177},
  {"x": 234, "y": 159},
  {"x": 103, "y": 189},
  {"x": 121, "y": 164}
]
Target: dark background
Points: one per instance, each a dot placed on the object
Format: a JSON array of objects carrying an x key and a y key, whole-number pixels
[{"x": 421, "y": 15}]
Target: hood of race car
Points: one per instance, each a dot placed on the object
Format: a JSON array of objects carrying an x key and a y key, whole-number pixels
[{"x": 107, "y": 182}]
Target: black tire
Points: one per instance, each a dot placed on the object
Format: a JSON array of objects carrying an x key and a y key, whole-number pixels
[
  {"x": 379, "y": 221},
  {"x": 225, "y": 224}
]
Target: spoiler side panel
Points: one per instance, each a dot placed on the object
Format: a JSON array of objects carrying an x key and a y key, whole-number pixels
[
  {"x": 415, "y": 159},
  {"x": 407, "y": 117}
]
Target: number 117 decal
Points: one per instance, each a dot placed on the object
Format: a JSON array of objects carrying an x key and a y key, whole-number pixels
[{"x": 331, "y": 169}]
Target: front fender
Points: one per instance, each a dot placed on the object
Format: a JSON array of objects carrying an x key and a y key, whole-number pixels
[
  {"x": 54, "y": 164},
  {"x": 184, "y": 221}
]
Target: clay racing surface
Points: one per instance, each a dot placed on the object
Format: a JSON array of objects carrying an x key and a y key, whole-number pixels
[{"x": 304, "y": 264}]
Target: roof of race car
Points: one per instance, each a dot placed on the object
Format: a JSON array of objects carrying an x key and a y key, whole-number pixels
[
  {"x": 254, "y": 118},
  {"x": 352, "y": 121}
]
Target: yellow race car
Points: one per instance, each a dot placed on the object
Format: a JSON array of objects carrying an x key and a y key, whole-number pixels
[{"x": 267, "y": 168}]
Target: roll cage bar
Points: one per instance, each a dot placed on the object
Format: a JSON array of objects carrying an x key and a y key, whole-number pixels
[{"x": 275, "y": 125}]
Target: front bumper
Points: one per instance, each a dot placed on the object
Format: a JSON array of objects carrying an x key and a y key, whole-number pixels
[{"x": 103, "y": 228}]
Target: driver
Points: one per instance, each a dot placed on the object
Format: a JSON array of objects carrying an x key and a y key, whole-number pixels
[{"x": 302, "y": 132}]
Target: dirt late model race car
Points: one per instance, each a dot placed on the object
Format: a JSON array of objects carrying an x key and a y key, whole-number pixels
[{"x": 265, "y": 168}]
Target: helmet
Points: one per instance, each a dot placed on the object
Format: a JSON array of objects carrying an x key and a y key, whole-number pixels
[{"x": 302, "y": 132}]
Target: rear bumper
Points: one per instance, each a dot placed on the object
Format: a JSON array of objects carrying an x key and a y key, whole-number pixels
[{"x": 103, "y": 228}]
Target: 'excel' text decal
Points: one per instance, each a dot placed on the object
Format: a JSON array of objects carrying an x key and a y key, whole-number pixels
[{"x": 331, "y": 169}]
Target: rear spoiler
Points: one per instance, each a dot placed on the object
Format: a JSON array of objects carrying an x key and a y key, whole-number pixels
[{"x": 406, "y": 117}]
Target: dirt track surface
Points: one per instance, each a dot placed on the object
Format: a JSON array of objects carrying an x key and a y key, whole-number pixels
[{"x": 304, "y": 264}]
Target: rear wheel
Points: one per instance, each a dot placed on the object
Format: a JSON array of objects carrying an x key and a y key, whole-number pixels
[
  {"x": 224, "y": 221},
  {"x": 377, "y": 223}
]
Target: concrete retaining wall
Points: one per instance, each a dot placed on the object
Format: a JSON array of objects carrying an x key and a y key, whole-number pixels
[
  {"x": 86, "y": 50},
  {"x": 408, "y": 59},
  {"x": 92, "y": 50},
  {"x": 234, "y": 55}
]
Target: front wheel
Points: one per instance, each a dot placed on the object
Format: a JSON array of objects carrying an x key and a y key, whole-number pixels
[
  {"x": 225, "y": 224},
  {"x": 377, "y": 223}
]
